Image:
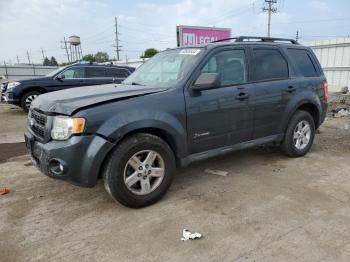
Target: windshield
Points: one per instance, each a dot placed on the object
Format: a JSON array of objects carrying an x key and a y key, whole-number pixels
[
  {"x": 165, "y": 69},
  {"x": 54, "y": 72}
]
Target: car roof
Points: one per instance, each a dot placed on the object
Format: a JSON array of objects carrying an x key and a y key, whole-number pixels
[
  {"x": 101, "y": 65},
  {"x": 247, "y": 40}
]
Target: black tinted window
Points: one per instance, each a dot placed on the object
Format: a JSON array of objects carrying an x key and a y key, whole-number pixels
[
  {"x": 303, "y": 62},
  {"x": 269, "y": 64},
  {"x": 117, "y": 72},
  {"x": 95, "y": 72},
  {"x": 230, "y": 65}
]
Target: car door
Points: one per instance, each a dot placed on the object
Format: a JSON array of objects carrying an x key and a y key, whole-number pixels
[
  {"x": 72, "y": 77},
  {"x": 116, "y": 75},
  {"x": 222, "y": 116},
  {"x": 272, "y": 91},
  {"x": 96, "y": 75}
]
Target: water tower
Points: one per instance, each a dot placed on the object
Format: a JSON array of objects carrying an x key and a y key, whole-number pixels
[{"x": 75, "y": 48}]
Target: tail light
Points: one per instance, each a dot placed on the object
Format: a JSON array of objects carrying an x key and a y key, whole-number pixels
[{"x": 325, "y": 90}]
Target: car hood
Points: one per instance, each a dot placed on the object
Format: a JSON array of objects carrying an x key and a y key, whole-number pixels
[
  {"x": 70, "y": 100},
  {"x": 31, "y": 81}
]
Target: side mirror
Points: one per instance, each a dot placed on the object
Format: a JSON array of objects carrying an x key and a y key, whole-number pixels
[
  {"x": 207, "y": 81},
  {"x": 60, "y": 77}
]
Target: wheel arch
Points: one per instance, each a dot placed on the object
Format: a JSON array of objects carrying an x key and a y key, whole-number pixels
[
  {"x": 308, "y": 106},
  {"x": 32, "y": 89}
]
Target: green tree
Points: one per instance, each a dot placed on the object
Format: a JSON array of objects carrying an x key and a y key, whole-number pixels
[
  {"x": 89, "y": 57},
  {"x": 46, "y": 62},
  {"x": 53, "y": 61},
  {"x": 101, "y": 57},
  {"x": 149, "y": 53}
]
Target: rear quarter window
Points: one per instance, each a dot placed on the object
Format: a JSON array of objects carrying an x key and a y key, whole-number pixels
[
  {"x": 269, "y": 65},
  {"x": 303, "y": 62}
]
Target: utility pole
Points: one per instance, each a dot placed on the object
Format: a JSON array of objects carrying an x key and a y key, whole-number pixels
[
  {"x": 117, "y": 46},
  {"x": 28, "y": 57},
  {"x": 64, "y": 42},
  {"x": 297, "y": 36},
  {"x": 17, "y": 59},
  {"x": 270, "y": 10},
  {"x": 42, "y": 52}
]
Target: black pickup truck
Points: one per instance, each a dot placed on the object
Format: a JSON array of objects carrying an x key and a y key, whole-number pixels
[
  {"x": 23, "y": 92},
  {"x": 183, "y": 105}
]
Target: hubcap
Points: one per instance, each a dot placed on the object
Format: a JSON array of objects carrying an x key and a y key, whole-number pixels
[
  {"x": 29, "y": 100},
  {"x": 144, "y": 172},
  {"x": 302, "y": 135}
]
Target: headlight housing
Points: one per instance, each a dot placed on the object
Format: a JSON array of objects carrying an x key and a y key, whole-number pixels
[
  {"x": 64, "y": 127},
  {"x": 11, "y": 85}
]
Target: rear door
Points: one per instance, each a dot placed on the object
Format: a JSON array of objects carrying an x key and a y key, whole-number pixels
[
  {"x": 96, "y": 75},
  {"x": 274, "y": 87},
  {"x": 116, "y": 75},
  {"x": 222, "y": 116}
]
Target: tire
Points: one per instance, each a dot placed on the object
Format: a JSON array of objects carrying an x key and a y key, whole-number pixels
[
  {"x": 299, "y": 121},
  {"x": 26, "y": 97},
  {"x": 139, "y": 193}
]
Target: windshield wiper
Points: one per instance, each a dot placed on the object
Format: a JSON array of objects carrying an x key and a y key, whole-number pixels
[{"x": 136, "y": 84}]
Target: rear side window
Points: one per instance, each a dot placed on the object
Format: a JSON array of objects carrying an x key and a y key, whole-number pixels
[
  {"x": 303, "y": 61},
  {"x": 116, "y": 72},
  {"x": 95, "y": 72},
  {"x": 269, "y": 65}
]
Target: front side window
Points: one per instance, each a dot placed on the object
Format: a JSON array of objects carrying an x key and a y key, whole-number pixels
[
  {"x": 166, "y": 69},
  {"x": 230, "y": 65},
  {"x": 92, "y": 72},
  {"x": 303, "y": 62},
  {"x": 269, "y": 65},
  {"x": 76, "y": 72}
]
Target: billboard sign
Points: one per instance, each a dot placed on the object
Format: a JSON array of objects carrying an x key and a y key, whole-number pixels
[{"x": 195, "y": 35}]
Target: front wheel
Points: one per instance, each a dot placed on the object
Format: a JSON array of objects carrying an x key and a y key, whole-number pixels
[
  {"x": 299, "y": 135},
  {"x": 139, "y": 171},
  {"x": 27, "y": 100}
]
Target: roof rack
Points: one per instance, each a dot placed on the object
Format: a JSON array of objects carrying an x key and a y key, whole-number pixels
[{"x": 262, "y": 39}]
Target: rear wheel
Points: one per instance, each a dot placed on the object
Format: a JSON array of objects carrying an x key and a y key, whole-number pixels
[
  {"x": 139, "y": 171},
  {"x": 299, "y": 135},
  {"x": 27, "y": 99}
]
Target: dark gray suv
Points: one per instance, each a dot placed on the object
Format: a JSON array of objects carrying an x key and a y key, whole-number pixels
[{"x": 183, "y": 105}]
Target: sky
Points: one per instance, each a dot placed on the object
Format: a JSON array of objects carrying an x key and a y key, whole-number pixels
[{"x": 32, "y": 25}]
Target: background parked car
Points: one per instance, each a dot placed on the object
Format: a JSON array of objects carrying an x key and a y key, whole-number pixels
[{"x": 22, "y": 93}]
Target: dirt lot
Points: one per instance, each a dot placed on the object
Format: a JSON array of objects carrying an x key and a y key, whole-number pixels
[{"x": 268, "y": 208}]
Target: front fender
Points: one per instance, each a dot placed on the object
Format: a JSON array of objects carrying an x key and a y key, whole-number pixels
[{"x": 125, "y": 122}]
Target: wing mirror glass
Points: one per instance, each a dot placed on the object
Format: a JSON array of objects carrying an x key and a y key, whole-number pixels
[{"x": 207, "y": 81}]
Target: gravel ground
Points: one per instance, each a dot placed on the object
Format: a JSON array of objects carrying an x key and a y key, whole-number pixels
[{"x": 268, "y": 208}]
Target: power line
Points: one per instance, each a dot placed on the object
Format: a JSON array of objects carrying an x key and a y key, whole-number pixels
[
  {"x": 28, "y": 57},
  {"x": 117, "y": 46},
  {"x": 270, "y": 10},
  {"x": 64, "y": 42}
]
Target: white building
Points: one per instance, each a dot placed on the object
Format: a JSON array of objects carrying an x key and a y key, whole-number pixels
[{"x": 334, "y": 56}]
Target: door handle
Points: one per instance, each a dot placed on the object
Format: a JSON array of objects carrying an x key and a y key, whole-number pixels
[
  {"x": 290, "y": 89},
  {"x": 242, "y": 96}
]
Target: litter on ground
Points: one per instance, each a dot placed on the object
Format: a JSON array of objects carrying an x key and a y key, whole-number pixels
[
  {"x": 187, "y": 235},
  {"x": 4, "y": 191},
  {"x": 216, "y": 172}
]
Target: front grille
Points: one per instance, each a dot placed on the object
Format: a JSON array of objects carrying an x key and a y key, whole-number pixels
[
  {"x": 3, "y": 87},
  {"x": 37, "y": 123}
]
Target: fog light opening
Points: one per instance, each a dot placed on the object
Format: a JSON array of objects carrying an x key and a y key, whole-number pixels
[{"x": 57, "y": 167}]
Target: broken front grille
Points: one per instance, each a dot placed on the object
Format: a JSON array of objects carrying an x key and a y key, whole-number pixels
[{"x": 37, "y": 123}]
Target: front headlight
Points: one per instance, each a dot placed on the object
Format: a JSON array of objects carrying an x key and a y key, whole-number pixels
[
  {"x": 11, "y": 85},
  {"x": 64, "y": 127}
]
